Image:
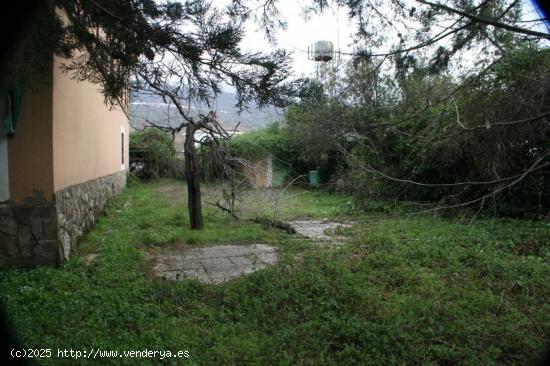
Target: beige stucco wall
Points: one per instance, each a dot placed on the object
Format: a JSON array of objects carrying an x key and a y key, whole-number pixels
[
  {"x": 30, "y": 149},
  {"x": 86, "y": 134}
]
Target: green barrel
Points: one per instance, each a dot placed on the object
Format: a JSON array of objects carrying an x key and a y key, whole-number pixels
[
  {"x": 314, "y": 178},
  {"x": 278, "y": 178}
]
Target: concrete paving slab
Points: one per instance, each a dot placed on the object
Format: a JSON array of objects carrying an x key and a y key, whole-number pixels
[
  {"x": 241, "y": 261},
  {"x": 196, "y": 273},
  {"x": 267, "y": 257},
  {"x": 215, "y": 264},
  {"x": 317, "y": 230},
  {"x": 192, "y": 263}
]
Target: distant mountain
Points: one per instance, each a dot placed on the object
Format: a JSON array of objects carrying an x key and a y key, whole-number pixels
[{"x": 152, "y": 108}]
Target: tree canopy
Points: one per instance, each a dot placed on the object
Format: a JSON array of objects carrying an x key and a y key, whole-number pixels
[{"x": 110, "y": 42}]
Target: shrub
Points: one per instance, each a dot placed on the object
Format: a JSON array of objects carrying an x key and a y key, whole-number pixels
[
  {"x": 152, "y": 155},
  {"x": 392, "y": 133}
]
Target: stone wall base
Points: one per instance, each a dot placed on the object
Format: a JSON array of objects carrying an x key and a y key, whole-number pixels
[
  {"x": 79, "y": 206},
  {"x": 37, "y": 232},
  {"x": 28, "y": 233}
]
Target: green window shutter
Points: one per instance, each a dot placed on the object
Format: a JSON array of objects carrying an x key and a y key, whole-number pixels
[{"x": 14, "y": 97}]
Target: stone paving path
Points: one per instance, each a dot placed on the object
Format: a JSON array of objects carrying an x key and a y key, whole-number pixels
[
  {"x": 214, "y": 264},
  {"x": 316, "y": 229}
]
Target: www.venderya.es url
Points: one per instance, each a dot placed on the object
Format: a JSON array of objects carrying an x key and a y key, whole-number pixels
[{"x": 95, "y": 353}]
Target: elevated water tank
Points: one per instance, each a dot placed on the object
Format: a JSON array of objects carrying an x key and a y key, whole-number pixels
[{"x": 323, "y": 51}]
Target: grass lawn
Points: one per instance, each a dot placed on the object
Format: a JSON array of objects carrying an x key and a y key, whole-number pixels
[{"x": 406, "y": 290}]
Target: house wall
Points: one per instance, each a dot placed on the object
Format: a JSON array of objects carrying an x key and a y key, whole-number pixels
[
  {"x": 30, "y": 150},
  {"x": 86, "y": 133},
  {"x": 65, "y": 163},
  {"x": 87, "y": 154},
  {"x": 28, "y": 220}
]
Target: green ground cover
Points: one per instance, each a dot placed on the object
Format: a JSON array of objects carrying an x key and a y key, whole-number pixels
[{"x": 405, "y": 290}]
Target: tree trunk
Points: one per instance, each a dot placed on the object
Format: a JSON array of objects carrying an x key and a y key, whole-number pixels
[{"x": 192, "y": 174}]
